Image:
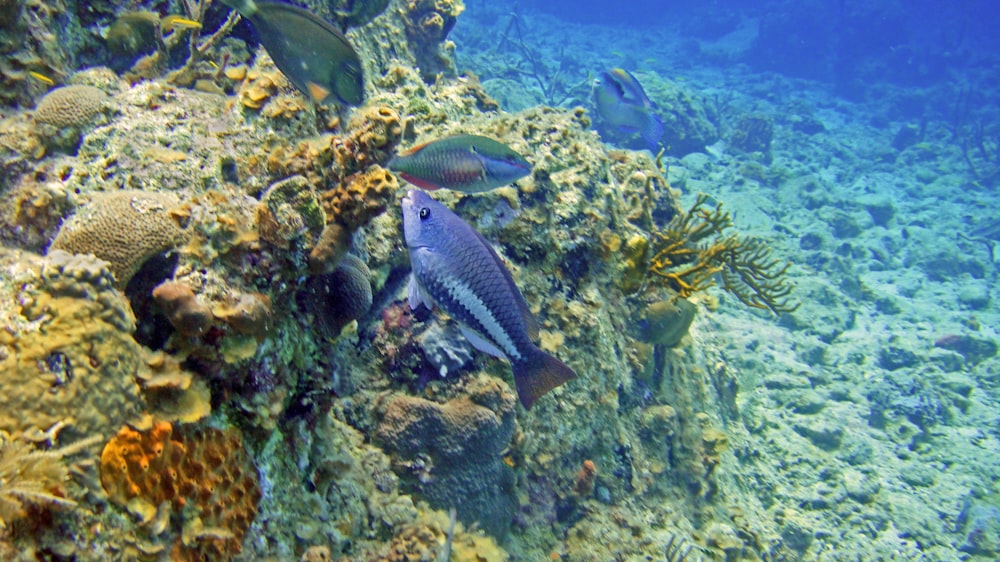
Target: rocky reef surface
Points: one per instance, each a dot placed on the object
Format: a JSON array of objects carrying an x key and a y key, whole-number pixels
[{"x": 207, "y": 352}]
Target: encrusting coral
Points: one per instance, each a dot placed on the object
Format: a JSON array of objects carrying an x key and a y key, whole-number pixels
[
  {"x": 204, "y": 476},
  {"x": 124, "y": 228},
  {"x": 451, "y": 453},
  {"x": 67, "y": 354}
]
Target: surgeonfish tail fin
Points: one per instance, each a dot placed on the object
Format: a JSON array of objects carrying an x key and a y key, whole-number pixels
[
  {"x": 539, "y": 374},
  {"x": 652, "y": 131},
  {"x": 246, "y": 8}
]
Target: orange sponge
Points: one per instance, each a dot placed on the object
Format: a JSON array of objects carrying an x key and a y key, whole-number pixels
[{"x": 205, "y": 472}]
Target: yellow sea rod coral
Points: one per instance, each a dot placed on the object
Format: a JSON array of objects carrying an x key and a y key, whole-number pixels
[
  {"x": 66, "y": 352},
  {"x": 124, "y": 228}
]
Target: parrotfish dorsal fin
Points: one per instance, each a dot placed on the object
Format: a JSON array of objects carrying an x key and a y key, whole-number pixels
[{"x": 414, "y": 149}]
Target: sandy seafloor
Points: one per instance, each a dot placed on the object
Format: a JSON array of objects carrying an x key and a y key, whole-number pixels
[{"x": 862, "y": 426}]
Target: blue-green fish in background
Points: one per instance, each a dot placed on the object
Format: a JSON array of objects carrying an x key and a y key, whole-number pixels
[
  {"x": 468, "y": 163},
  {"x": 313, "y": 54},
  {"x": 622, "y": 103},
  {"x": 455, "y": 268}
]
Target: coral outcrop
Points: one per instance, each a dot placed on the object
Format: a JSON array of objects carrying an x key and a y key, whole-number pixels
[
  {"x": 450, "y": 453},
  {"x": 428, "y": 23},
  {"x": 67, "y": 353},
  {"x": 204, "y": 477},
  {"x": 364, "y": 197},
  {"x": 70, "y": 106},
  {"x": 185, "y": 313},
  {"x": 124, "y": 228},
  {"x": 335, "y": 299}
]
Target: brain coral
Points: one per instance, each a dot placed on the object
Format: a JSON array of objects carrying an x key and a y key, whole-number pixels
[
  {"x": 463, "y": 440},
  {"x": 67, "y": 355},
  {"x": 124, "y": 228},
  {"x": 69, "y": 106},
  {"x": 205, "y": 472}
]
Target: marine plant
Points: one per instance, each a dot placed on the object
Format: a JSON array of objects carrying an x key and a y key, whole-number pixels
[{"x": 695, "y": 248}]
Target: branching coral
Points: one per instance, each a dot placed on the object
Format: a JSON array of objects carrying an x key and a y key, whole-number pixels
[{"x": 694, "y": 247}]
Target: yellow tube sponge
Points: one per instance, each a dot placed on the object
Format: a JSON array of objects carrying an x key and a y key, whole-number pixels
[{"x": 66, "y": 352}]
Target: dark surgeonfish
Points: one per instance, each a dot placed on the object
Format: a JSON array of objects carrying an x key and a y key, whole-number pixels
[
  {"x": 468, "y": 163},
  {"x": 455, "y": 268},
  {"x": 622, "y": 103},
  {"x": 313, "y": 54}
]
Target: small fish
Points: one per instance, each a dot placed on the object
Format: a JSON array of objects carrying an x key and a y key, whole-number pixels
[
  {"x": 457, "y": 269},
  {"x": 168, "y": 23},
  {"x": 468, "y": 163},
  {"x": 313, "y": 54},
  {"x": 621, "y": 101},
  {"x": 41, "y": 78}
]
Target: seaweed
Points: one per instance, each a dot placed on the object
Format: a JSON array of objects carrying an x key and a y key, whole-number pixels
[{"x": 695, "y": 248}]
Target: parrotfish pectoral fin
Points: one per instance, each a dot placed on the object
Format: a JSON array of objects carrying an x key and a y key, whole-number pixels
[
  {"x": 538, "y": 374},
  {"x": 480, "y": 343},
  {"x": 415, "y": 295},
  {"x": 422, "y": 184}
]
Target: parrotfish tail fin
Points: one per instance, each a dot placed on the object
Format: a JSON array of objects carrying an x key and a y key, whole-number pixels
[
  {"x": 652, "y": 131},
  {"x": 538, "y": 374}
]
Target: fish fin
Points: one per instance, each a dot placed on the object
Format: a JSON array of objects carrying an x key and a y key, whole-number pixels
[
  {"x": 539, "y": 374},
  {"x": 316, "y": 92},
  {"x": 415, "y": 295},
  {"x": 480, "y": 343},
  {"x": 414, "y": 149},
  {"x": 652, "y": 131},
  {"x": 422, "y": 184},
  {"x": 246, "y": 8}
]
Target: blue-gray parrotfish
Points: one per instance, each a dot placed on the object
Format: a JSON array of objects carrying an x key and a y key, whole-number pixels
[
  {"x": 468, "y": 163},
  {"x": 455, "y": 268},
  {"x": 622, "y": 103},
  {"x": 314, "y": 55}
]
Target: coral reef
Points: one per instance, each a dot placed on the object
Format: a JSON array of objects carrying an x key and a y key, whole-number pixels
[
  {"x": 124, "y": 228},
  {"x": 67, "y": 352},
  {"x": 203, "y": 476},
  {"x": 752, "y": 133},
  {"x": 428, "y": 23},
  {"x": 450, "y": 453}
]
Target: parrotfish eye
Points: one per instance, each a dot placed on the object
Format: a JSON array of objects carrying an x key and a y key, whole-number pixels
[{"x": 424, "y": 213}]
